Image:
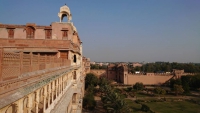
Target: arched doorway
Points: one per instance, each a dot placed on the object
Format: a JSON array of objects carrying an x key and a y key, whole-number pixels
[{"x": 30, "y": 32}]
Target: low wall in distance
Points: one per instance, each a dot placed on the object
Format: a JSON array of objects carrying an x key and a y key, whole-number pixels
[{"x": 148, "y": 80}]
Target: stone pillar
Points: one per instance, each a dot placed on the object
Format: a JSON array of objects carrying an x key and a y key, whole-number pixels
[
  {"x": 29, "y": 103},
  {"x": 16, "y": 107},
  {"x": 49, "y": 92},
  {"x": 56, "y": 84},
  {"x": 44, "y": 100},
  {"x": 37, "y": 100},
  {"x": 62, "y": 84},
  {"x": 19, "y": 106},
  {"x": 52, "y": 91}
]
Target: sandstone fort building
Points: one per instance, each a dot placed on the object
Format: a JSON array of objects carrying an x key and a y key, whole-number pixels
[{"x": 41, "y": 67}]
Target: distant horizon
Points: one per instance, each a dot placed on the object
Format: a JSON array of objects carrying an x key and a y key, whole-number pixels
[
  {"x": 146, "y": 62},
  {"x": 130, "y": 30}
]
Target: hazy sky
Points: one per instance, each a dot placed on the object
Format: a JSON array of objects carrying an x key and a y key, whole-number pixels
[{"x": 121, "y": 30}]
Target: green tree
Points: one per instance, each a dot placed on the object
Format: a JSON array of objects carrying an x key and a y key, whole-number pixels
[
  {"x": 163, "y": 92},
  {"x": 112, "y": 100},
  {"x": 137, "y": 68},
  {"x": 159, "y": 90},
  {"x": 114, "y": 103},
  {"x": 138, "y": 86},
  {"x": 175, "y": 81},
  {"x": 91, "y": 79},
  {"x": 150, "y": 67},
  {"x": 94, "y": 66},
  {"x": 103, "y": 67},
  {"x": 89, "y": 102},
  {"x": 178, "y": 89},
  {"x": 103, "y": 81},
  {"x": 195, "y": 81},
  {"x": 145, "y": 108},
  {"x": 185, "y": 80}
]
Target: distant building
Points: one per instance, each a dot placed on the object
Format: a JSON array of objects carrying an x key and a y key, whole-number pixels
[
  {"x": 137, "y": 64},
  {"x": 92, "y": 62},
  {"x": 119, "y": 73},
  {"x": 137, "y": 72}
]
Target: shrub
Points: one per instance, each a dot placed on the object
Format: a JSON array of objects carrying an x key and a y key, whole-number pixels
[
  {"x": 89, "y": 102},
  {"x": 129, "y": 89},
  {"x": 145, "y": 108},
  {"x": 138, "y": 86}
]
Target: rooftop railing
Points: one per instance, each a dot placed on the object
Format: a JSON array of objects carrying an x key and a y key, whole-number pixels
[
  {"x": 39, "y": 43},
  {"x": 15, "y": 64}
]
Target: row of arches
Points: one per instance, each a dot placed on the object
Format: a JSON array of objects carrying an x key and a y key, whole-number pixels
[{"x": 42, "y": 99}]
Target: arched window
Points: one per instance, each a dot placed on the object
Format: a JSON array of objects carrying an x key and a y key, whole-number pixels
[
  {"x": 65, "y": 34},
  {"x": 48, "y": 33},
  {"x": 30, "y": 32},
  {"x": 63, "y": 16},
  {"x": 10, "y": 33},
  {"x": 74, "y": 58},
  {"x": 74, "y": 98}
]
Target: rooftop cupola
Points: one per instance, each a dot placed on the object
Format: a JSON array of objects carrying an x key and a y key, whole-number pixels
[{"x": 64, "y": 11}]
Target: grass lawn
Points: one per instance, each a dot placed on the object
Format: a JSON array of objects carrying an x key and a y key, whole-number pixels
[
  {"x": 143, "y": 95},
  {"x": 174, "y": 107},
  {"x": 134, "y": 106}
]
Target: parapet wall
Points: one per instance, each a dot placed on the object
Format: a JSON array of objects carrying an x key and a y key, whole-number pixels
[{"x": 148, "y": 80}]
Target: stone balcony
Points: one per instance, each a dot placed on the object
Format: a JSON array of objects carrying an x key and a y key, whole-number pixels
[
  {"x": 52, "y": 78},
  {"x": 33, "y": 45}
]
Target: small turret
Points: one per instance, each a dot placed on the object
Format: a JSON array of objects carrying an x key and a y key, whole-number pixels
[{"x": 65, "y": 11}]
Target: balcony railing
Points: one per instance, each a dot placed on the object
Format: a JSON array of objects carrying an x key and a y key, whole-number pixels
[
  {"x": 15, "y": 64},
  {"x": 42, "y": 43}
]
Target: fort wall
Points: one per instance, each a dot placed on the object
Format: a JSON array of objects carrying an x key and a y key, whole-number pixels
[{"x": 147, "y": 80}]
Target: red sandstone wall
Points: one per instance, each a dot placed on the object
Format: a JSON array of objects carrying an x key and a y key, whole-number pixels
[
  {"x": 75, "y": 39},
  {"x": 57, "y": 27},
  {"x": 40, "y": 34},
  {"x": 4, "y": 33},
  {"x": 111, "y": 75},
  {"x": 148, "y": 80},
  {"x": 19, "y": 33}
]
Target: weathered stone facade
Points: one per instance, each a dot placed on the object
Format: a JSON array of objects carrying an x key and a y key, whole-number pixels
[
  {"x": 86, "y": 65},
  {"x": 41, "y": 69}
]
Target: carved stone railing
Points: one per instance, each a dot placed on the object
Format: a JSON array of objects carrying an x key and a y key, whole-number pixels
[{"x": 14, "y": 65}]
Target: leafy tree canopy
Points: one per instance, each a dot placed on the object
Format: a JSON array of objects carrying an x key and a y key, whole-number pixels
[
  {"x": 91, "y": 80},
  {"x": 138, "y": 86}
]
